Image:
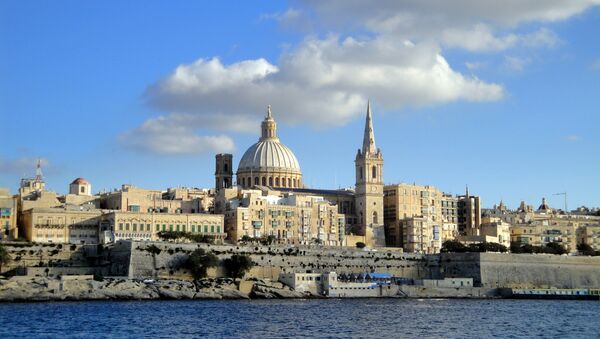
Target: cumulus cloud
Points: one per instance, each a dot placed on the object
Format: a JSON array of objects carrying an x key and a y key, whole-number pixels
[
  {"x": 395, "y": 58},
  {"x": 325, "y": 82}
]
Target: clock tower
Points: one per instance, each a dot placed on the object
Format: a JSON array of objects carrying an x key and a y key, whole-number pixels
[{"x": 369, "y": 187}]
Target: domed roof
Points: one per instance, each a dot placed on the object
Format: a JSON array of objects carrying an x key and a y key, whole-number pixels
[
  {"x": 80, "y": 181},
  {"x": 269, "y": 154}
]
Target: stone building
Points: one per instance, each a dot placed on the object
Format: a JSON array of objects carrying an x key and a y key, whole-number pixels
[
  {"x": 8, "y": 215},
  {"x": 62, "y": 225},
  {"x": 288, "y": 217},
  {"x": 272, "y": 165},
  {"x": 469, "y": 214},
  {"x": 413, "y": 217},
  {"x": 146, "y": 226}
]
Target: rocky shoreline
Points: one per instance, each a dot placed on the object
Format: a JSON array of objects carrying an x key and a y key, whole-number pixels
[{"x": 20, "y": 289}]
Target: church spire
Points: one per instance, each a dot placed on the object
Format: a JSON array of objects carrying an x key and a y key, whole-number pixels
[{"x": 369, "y": 137}]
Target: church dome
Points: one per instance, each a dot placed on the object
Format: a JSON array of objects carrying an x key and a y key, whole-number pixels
[
  {"x": 269, "y": 162},
  {"x": 269, "y": 155}
]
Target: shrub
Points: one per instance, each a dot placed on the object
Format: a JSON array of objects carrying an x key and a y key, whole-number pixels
[
  {"x": 238, "y": 265},
  {"x": 453, "y": 246},
  {"x": 153, "y": 249},
  {"x": 554, "y": 248},
  {"x": 586, "y": 249},
  {"x": 200, "y": 261},
  {"x": 360, "y": 244}
]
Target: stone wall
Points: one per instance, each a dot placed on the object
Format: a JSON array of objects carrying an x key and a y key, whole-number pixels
[
  {"x": 523, "y": 270},
  {"x": 272, "y": 260}
]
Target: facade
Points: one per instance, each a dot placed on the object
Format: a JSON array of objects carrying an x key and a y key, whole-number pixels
[
  {"x": 8, "y": 216},
  {"x": 289, "y": 218},
  {"x": 496, "y": 228},
  {"x": 469, "y": 214},
  {"x": 146, "y": 226},
  {"x": 174, "y": 200},
  {"x": 413, "y": 217},
  {"x": 269, "y": 162},
  {"x": 75, "y": 226},
  {"x": 60, "y": 225}
]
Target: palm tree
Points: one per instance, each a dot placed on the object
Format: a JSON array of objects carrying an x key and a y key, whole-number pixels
[{"x": 4, "y": 256}]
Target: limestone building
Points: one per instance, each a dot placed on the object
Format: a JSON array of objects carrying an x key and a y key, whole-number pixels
[
  {"x": 8, "y": 216},
  {"x": 287, "y": 217},
  {"x": 270, "y": 164}
]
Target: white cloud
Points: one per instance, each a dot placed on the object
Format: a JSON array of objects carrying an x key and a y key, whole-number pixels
[
  {"x": 164, "y": 136},
  {"x": 474, "y": 65},
  {"x": 516, "y": 64},
  {"x": 323, "y": 82}
]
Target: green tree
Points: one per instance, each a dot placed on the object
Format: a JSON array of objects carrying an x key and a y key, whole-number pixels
[
  {"x": 586, "y": 249},
  {"x": 238, "y": 265},
  {"x": 200, "y": 261},
  {"x": 360, "y": 244},
  {"x": 453, "y": 246},
  {"x": 554, "y": 248},
  {"x": 4, "y": 257},
  {"x": 515, "y": 247},
  {"x": 495, "y": 247}
]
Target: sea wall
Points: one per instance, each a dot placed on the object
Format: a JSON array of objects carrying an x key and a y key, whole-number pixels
[
  {"x": 523, "y": 270},
  {"x": 272, "y": 260}
]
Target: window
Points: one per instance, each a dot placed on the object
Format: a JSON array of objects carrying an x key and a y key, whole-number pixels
[
  {"x": 178, "y": 228},
  {"x": 171, "y": 228},
  {"x": 134, "y": 227},
  {"x": 225, "y": 168},
  {"x": 205, "y": 228},
  {"x": 256, "y": 181},
  {"x": 218, "y": 229},
  {"x": 164, "y": 227},
  {"x": 157, "y": 227},
  {"x": 148, "y": 227},
  {"x": 82, "y": 189},
  {"x": 120, "y": 226},
  {"x": 212, "y": 228},
  {"x": 374, "y": 170},
  {"x": 360, "y": 170},
  {"x": 193, "y": 228},
  {"x": 264, "y": 181},
  {"x": 270, "y": 181},
  {"x": 127, "y": 226}
]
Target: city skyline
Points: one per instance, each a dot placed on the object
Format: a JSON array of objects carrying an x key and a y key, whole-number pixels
[{"x": 506, "y": 107}]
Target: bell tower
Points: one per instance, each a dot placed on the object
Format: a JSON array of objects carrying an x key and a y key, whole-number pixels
[
  {"x": 223, "y": 171},
  {"x": 369, "y": 187}
]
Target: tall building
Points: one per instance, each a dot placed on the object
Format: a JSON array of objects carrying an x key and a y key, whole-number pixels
[
  {"x": 269, "y": 162},
  {"x": 369, "y": 186},
  {"x": 413, "y": 217},
  {"x": 469, "y": 214}
]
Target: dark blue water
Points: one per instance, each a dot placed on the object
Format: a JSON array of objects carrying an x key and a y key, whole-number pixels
[{"x": 380, "y": 318}]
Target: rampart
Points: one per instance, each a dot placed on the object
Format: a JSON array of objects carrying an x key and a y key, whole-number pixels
[
  {"x": 523, "y": 270},
  {"x": 271, "y": 260}
]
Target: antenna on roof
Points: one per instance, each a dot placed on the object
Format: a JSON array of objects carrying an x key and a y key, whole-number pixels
[{"x": 38, "y": 171}]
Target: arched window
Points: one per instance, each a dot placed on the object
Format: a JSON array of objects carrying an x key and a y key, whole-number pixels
[
  {"x": 360, "y": 170},
  {"x": 375, "y": 218},
  {"x": 374, "y": 170},
  {"x": 243, "y": 182},
  {"x": 255, "y": 180},
  {"x": 264, "y": 181},
  {"x": 270, "y": 181},
  {"x": 289, "y": 182},
  {"x": 276, "y": 181}
]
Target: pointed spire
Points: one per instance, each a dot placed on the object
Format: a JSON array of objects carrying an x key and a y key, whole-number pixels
[{"x": 369, "y": 137}]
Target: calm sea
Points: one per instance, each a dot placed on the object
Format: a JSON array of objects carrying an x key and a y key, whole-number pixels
[{"x": 376, "y": 318}]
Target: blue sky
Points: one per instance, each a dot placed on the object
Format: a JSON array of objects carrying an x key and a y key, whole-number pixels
[{"x": 504, "y": 100}]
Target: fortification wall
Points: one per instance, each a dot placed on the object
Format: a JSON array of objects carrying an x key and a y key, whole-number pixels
[
  {"x": 523, "y": 270},
  {"x": 272, "y": 260}
]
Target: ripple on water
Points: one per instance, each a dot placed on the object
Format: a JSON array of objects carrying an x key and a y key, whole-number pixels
[{"x": 337, "y": 318}]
